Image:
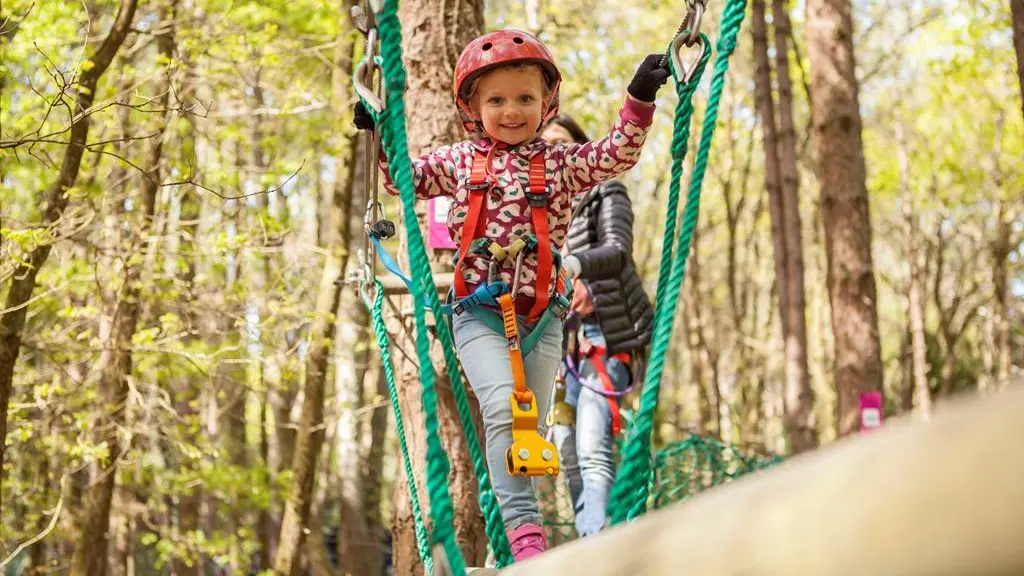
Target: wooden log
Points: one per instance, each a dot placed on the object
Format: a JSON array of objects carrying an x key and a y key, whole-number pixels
[
  {"x": 394, "y": 285},
  {"x": 937, "y": 498}
]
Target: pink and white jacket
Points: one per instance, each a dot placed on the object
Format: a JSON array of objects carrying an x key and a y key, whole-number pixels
[{"x": 572, "y": 169}]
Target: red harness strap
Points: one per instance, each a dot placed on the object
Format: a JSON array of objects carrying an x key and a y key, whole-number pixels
[
  {"x": 538, "y": 197},
  {"x": 596, "y": 354},
  {"x": 474, "y": 226},
  {"x": 480, "y": 181}
]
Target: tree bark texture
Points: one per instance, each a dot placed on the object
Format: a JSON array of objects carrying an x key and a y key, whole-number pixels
[
  {"x": 1017, "y": 15},
  {"x": 841, "y": 173},
  {"x": 799, "y": 396},
  {"x": 434, "y": 33}
]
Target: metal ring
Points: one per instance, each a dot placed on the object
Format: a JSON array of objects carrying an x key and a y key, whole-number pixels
[{"x": 677, "y": 63}]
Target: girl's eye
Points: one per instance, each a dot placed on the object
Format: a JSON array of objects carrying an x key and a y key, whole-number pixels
[
  {"x": 494, "y": 101},
  {"x": 526, "y": 99}
]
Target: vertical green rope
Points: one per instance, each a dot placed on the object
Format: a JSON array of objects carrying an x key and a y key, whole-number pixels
[
  {"x": 381, "y": 333},
  {"x": 392, "y": 127},
  {"x": 631, "y": 489}
]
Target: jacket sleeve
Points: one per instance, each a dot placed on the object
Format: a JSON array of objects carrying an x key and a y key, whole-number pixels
[
  {"x": 586, "y": 165},
  {"x": 434, "y": 174},
  {"x": 614, "y": 235}
]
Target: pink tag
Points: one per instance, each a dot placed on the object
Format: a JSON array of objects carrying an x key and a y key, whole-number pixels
[
  {"x": 870, "y": 411},
  {"x": 437, "y": 223}
]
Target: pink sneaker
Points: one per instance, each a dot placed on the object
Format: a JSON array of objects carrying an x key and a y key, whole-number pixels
[{"x": 527, "y": 541}]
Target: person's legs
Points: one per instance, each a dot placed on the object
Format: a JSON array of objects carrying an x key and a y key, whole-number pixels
[
  {"x": 595, "y": 447},
  {"x": 484, "y": 356}
]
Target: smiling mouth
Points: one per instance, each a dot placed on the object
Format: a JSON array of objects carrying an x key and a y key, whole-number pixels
[{"x": 513, "y": 126}]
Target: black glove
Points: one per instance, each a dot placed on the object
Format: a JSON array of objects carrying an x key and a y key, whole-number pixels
[
  {"x": 362, "y": 118},
  {"x": 650, "y": 76}
]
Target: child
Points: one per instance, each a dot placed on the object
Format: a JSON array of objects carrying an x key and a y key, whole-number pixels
[{"x": 510, "y": 184}]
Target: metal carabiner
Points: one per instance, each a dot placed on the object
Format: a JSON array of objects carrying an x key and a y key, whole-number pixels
[
  {"x": 693, "y": 19},
  {"x": 363, "y": 77}
]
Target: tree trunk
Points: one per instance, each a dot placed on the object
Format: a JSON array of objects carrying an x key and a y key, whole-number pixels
[
  {"x": 839, "y": 152},
  {"x": 915, "y": 303},
  {"x": 772, "y": 177},
  {"x": 24, "y": 278},
  {"x": 374, "y": 475},
  {"x": 434, "y": 33},
  {"x": 310, "y": 435},
  {"x": 799, "y": 396},
  {"x": 1017, "y": 11},
  {"x": 90, "y": 555},
  {"x": 1000, "y": 250},
  {"x": 354, "y": 546},
  {"x": 186, "y": 389}
]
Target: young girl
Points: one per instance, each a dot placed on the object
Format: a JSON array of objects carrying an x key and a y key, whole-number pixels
[{"x": 510, "y": 184}]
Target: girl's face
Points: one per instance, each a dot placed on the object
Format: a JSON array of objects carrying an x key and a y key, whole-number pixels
[{"x": 509, "y": 103}]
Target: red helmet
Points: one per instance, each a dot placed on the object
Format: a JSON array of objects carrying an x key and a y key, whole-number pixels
[{"x": 503, "y": 47}]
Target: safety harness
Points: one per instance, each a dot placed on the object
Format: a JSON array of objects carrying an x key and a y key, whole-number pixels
[
  {"x": 563, "y": 413},
  {"x": 530, "y": 453}
]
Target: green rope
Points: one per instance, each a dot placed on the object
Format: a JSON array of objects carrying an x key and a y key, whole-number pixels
[
  {"x": 393, "y": 133},
  {"x": 380, "y": 331},
  {"x": 630, "y": 491}
]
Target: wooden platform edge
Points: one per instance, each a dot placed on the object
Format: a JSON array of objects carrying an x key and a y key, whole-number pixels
[{"x": 931, "y": 498}]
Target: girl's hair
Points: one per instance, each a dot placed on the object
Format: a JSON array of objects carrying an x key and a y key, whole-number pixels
[{"x": 570, "y": 125}]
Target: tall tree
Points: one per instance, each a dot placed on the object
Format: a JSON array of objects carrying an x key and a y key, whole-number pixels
[
  {"x": 24, "y": 283},
  {"x": 1017, "y": 12},
  {"x": 781, "y": 183},
  {"x": 799, "y": 396},
  {"x": 90, "y": 558},
  {"x": 921, "y": 394},
  {"x": 310, "y": 436},
  {"x": 434, "y": 33},
  {"x": 845, "y": 214}
]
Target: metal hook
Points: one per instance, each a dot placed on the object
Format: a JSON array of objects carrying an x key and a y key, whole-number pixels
[{"x": 678, "y": 66}]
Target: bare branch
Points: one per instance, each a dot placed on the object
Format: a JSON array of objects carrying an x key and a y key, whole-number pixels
[{"x": 43, "y": 534}]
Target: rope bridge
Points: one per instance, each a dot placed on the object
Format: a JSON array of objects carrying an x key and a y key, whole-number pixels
[{"x": 675, "y": 472}]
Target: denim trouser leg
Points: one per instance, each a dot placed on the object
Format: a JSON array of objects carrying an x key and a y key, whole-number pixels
[
  {"x": 595, "y": 447},
  {"x": 485, "y": 359}
]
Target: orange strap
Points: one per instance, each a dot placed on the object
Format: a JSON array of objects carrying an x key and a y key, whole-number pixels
[
  {"x": 522, "y": 394},
  {"x": 539, "y": 214},
  {"x": 596, "y": 354}
]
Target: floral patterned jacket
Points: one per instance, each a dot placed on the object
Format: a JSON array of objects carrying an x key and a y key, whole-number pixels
[{"x": 572, "y": 169}]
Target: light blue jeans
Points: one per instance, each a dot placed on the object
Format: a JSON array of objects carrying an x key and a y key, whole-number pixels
[
  {"x": 587, "y": 450},
  {"x": 485, "y": 359}
]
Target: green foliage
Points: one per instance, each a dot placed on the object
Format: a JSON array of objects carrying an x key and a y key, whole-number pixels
[{"x": 231, "y": 265}]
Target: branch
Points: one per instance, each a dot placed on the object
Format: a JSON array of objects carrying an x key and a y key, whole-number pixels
[{"x": 41, "y": 535}]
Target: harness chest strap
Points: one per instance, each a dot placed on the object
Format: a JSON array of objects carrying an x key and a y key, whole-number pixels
[{"x": 480, "y": 181}]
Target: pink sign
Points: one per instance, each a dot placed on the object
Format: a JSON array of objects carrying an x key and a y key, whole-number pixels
[
  {"x": 870, "y": 411},
  {"x": 437, "y": 223}
]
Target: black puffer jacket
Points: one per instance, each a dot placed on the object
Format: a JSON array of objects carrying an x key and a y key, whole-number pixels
[{"x": 601, "y": 236}]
